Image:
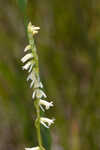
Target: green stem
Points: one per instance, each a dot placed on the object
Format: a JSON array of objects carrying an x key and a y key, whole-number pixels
[
  {"x": 36, "y": 102},
  {"x": 39, "y": 136},
  {"x": 37, "y": 123}
]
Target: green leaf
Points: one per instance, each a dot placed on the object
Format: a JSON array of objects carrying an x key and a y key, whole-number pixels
[{"x": 46, "y": 138}]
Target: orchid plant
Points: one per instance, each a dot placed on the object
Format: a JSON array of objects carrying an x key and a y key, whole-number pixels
[{"x": 31, "y": 64}]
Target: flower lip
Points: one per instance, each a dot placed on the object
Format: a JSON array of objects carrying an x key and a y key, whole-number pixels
[
  {"x": 46, "y": 121},
  {"x": 46, "y": 104}
]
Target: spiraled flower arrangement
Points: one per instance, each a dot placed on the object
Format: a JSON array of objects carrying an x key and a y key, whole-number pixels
[{"x": 31, "y": 64}]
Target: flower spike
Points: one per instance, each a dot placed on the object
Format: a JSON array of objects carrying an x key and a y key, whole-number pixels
[{"x": 30, "y": 61}]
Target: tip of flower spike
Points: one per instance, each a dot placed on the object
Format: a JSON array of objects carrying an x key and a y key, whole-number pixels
[{"x": 32, "y": 29}]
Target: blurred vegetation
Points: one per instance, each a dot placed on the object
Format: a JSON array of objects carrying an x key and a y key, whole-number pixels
[{"x": 69, "y": 57}]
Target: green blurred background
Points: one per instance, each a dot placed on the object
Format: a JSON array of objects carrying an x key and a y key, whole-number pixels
[{"x": 69, "y": 58}]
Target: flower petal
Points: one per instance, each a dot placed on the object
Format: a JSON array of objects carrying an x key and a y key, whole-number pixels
[
  {"x": 31, "y": 84},
  {"x": 27, "y": 57},
  {"x": 45, "y": 103},
  {"x": 33, "y": 95},
  {"x": 40, "y": 94},
  {"x": 41, "y": 85},
  {"x": 31, "y": 67},
  {"x": 33, "y": 29},
  {"x": 27, "y": 65},
  {"x": 33, "y": 148},
  {"x": 46, "y": 121},
  {"x": 42, "y": 108},
  {"x": 28, "y": 47},
  {"x": 31, "y": 76},
  {"x": 44, "y": 124}
]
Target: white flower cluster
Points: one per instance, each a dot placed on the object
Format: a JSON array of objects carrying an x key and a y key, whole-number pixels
[{"x": 30, "y": 64}]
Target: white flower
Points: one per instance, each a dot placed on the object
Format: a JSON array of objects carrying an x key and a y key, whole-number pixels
[
  {"x": 27, "y": 65},
  {"x": 46, "y": 121},
  {"x": 41, "y": 85},
  {"x": 31, "y": 67},
  {"x": 28, "y": 47},
  {"x": 27, "y": 57},
  {"x": 38, "y": 84},
  {"x": 33, "y": 29},
  {"x": 31, "y": 76},
  {"x": 33, "y": 148},
  {"x": 38, "y": 94},
  {"x": 31, "y": 84},
  {"x": 34, "y": 94},
  {"x": 45, "y": 103}
]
